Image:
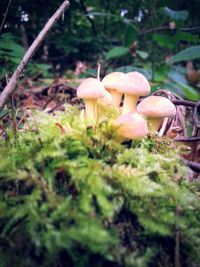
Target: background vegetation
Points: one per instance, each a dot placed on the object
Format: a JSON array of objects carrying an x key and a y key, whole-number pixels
[{"x": 150, "y": 36}]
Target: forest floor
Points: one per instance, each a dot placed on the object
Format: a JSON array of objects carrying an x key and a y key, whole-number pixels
[{"x": 72, "y": 195}]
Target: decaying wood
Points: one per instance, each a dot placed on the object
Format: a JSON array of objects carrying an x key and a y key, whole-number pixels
[
  {"x": 176, "y": 128},
  {"x": 9, "y": 89}
]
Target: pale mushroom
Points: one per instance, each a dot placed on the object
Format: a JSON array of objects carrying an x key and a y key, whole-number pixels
[
  {"x": 133, "y": 85},
  {"x": 106, "y": 99},
  {"x": 156, "y": 108},
  {"x": 131, "y": 126},
  {"x": 90, "y": 90},
  {"x": 102, "y": 104},
  {"x": 110, "y": 83}
]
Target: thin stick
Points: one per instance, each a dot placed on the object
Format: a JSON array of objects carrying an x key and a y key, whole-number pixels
[
  {"x": 196, "y": 28},
  {"x": 195, "y": 166},
  {"x": 184, "y": 103},
  {"x": 10, "y": 87},
  {"x": 4, "y": 16},
  {"x": 91, "y": 21},
  {"x": 189, "y": 139},
  {"x": 177, "y": 244},
  {"x": 98, "y": 70}
]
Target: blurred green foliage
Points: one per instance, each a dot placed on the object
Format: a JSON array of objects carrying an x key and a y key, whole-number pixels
[
  {"x": 158, "y": 37},
  {"x": 11, "y": 53},
  {"x": 83, "y": 199}
]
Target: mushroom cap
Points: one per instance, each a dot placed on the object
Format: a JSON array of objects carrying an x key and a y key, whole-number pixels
[
  {"x": 90, "y": 88},
  {"x": 134, "y": 83},
  {"x": 106, "y": 99},
  {"x": 156, "y": 106},
  {"x": 131, "y": 126},
  {"x": 111, "y": 80}
]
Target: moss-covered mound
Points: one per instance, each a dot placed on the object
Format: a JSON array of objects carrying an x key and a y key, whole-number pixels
[{"x": 72, "y": 195}]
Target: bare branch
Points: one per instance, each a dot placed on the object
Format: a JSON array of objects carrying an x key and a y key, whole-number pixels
[
  {"x": 186, "y": 103},
  {"x": 4, "y": 16},
  {"x": 161, "y": 28},
  {"x": 188, "y": 139},
  {"x": 9, "y": 89},
  {"x": 88, "y": 17},
  {"x": 195, "y": 166}
]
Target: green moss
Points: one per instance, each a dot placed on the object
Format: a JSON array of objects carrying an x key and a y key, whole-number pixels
[{"x": 72, "y": 195}]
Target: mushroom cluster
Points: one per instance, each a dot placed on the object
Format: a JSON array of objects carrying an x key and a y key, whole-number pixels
[{"x": 136, "y": 120}]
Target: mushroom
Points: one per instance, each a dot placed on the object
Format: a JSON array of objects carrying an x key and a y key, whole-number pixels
[
  {"x": 106, "y": 99},
  {"x": 102, "y": 103},
  {"x": 131, "y": 126},
  {"x": 156, "y": 108},
  {"x": 90, "y": 90},
  {"x": 110, "y": 83},
  {"x": 133, "y": 85}
]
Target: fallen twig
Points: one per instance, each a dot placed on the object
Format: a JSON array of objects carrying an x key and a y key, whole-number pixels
[
  {"x": 189, "y": 139},
  {"x": 186, "y": 103},
  {"x": 10, "y": 87},
  {"x": 66, "y": 85},
  {"x": 196, "y": 28},
  {"x": 195, "y": 166}
]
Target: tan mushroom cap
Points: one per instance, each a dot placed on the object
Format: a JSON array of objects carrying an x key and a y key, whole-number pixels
[
  {"x": 90, "y": 88},
  {"x": 111, "y": 80},
  {"x": 134, "y": 83},
  {"x": 106, "y": 99},
  {"x": 131, "y": 126},
  {"x": 156, "y": 106}
]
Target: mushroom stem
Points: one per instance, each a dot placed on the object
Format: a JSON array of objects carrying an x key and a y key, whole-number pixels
[
  {"x": 154, "y": 124},
  {"x": 130, "y": 103},
  {"x": 90, "y": 109},
  {"x": 116, "y": 97}
]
